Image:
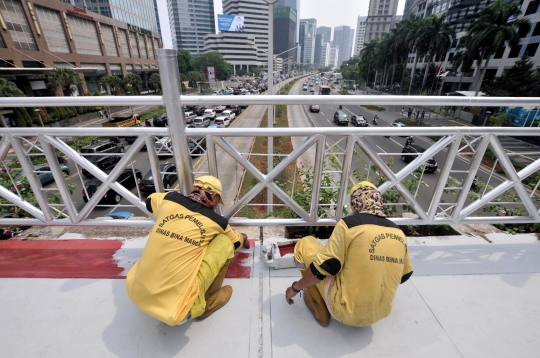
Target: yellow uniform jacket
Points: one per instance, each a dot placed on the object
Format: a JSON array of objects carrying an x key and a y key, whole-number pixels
[
  {"x": 369, "y": 258},
  {"x": 163, "y": 283}
]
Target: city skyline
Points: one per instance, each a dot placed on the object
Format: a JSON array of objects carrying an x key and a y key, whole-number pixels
[{"x": 317, "y": 9}]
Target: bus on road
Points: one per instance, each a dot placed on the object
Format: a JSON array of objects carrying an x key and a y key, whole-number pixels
[{"x": 324, "y": 89}]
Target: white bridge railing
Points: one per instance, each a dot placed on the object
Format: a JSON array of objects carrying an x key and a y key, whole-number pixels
[{"x": 448, "y": 200}]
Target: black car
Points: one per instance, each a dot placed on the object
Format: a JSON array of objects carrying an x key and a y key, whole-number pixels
[
  {"x": 168, "y": 176},
  {"x": 102, "y": 147},
  {"x": 236, "y": 109},
  {"x": 106, "y": 164},
  {"x": 237, "y": 91},
  {"x": 341, "y": 118},
  {"x": 431, "y": 164},
  {"x": 359, "y": 121},
  {"x": 127, "y": 179},
  {"x": 199, "y": 110},
  {"x": 160, "y": 121}
]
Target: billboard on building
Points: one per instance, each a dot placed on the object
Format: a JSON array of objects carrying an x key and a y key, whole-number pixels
[
  {"x": 211, "y": 74},
  {"x": 231, "y": 23}
]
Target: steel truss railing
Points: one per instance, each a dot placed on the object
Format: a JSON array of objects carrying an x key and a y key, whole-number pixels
[{"x": 356, "y": 139}]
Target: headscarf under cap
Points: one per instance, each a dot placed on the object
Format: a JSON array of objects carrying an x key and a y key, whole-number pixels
[{"x": 368, "y": 200}]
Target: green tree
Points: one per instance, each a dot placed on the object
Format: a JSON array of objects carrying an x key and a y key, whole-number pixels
[
  {"x": 496, "y": 25},
  {"x": 155, "y": 81},
  {"x": 413, "y": 38},
  {"x": 111, "y": 81},
  {"x": 463, "y": 58},
  {"x": 437, "y": 36},
  {"x": 216, "y": 60},
  {"x": 194, "y": 77},
  {"x": 64, "y": 78},
  {"x": 134, "y": 81},
  {"x": 9, "y": 89},
  {"x": 498, "y": 121},
  {"x": 185, "y": 61},
  {"x": 406, "y": 28},
  {"x": 367, "y": 55},
  {"x": 519, "y": 81}
]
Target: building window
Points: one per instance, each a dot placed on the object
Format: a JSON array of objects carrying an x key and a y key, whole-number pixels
[
  {"x": 53, "y": 29},
  {"x": 500, "y": 52},
  {"x": 531, "y": 50},
  {"x": 514, "y": 52},
  {"x": 108, "y": 39},
  {"x": 85, "y": 36},
  {"x": 16, "y": 22},
  {"x": 533, "y": 7},
  {"x": 122, "y": 34},
  {"x": 536, "y": 31}
]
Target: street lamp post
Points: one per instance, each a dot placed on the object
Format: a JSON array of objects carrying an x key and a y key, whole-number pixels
[
  {"x": 270, "y": 92},
  {"x": 37, "y": 110}
]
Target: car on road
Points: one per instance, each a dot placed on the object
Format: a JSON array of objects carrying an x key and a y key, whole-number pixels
[
  {"x": 168, "y": 176},
  {"x": 209, "y": 113},
  {"x": 304, "y": 87},
  {"x": 396, "y": 125},
  {"x": 199, "y": 110},
  {"x": 189, "y": 117},
  {"x": 160, "y": 121},
  {"x": 164, "y": 146},
  {"x": 312, "y": 90},
  {"x": 236, "y": 109},
  {"x": 218, "y": 108},
  {"x": 431, "y": 164},
  {"x": 223, "y": 120},
  {"x": 43, "y": 173},
  {"x": 102, "y": 147},
  {"x": 128, "y": 179},
  {"x": 106, "y": 164},
  {"x": 341, "y": 118},
  {"x": 197, "y": 145},
  {"x": 314, "y": 108},
  {"x": 201, "y": 121},
  {"x": 228, "y": 113},
  {"x": 359, "y": 121}
]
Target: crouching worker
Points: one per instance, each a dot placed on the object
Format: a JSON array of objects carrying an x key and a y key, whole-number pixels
[
  {"x": 180, "y": 274},
  {"x": 354, "y": 277}
]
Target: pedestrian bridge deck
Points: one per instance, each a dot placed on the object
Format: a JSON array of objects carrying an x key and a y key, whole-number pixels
[{"x": 467, "y": 298}]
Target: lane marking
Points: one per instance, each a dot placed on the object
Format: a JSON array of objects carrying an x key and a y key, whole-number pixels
[{"x": 381, "y": 149}]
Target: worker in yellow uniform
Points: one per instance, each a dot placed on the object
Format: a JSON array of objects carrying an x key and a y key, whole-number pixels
[
  {"x": 354, "y": 277},
  {"x": 180, "y": 274}
]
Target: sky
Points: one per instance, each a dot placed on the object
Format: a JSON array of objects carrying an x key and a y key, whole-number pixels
[{"x": 344, "y": 12}]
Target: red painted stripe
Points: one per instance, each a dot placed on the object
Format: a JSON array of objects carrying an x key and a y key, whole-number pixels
[
  {"x": 59, "y": 258},
  {"x": 240, "y": 266}
]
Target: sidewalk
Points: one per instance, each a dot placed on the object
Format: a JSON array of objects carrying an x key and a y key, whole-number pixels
[{"x": 467, "y": 298}]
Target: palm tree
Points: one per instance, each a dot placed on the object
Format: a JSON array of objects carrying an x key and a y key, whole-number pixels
[
  {"x": 111, "y": 81},
  {"x": 367, "y": 54},
  {"x": 9, "y": 89},
  {"x": 64, "y": 78},
  {"x": 133, "y": 80},
  {"x": 496, "y": 25},
  {"x": 419, "y": 47},
  {"x": 155, "y": 80},
  {"x": 406, "y": 29},
  {"x": 436, "y": 36},
  {"x": 463, "y": 59}
]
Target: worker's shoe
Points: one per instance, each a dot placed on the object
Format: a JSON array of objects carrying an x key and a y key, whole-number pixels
[
  {"x": 218, "y": 300},
  {"x": 317, "y": 306}
]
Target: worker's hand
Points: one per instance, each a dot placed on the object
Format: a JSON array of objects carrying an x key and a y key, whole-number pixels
[
  {"x": 246, "y": 244},
  {"x": 289, "y": 294}
]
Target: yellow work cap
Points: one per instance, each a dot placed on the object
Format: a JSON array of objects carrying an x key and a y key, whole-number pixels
[
  {"x": 210, "y": 184},
  {"x": 360, "y": 185}
]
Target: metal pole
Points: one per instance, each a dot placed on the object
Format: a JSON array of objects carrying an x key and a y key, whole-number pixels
[
  {"x": 270, "y": 92},
  {"x": 172, "y": 91}
]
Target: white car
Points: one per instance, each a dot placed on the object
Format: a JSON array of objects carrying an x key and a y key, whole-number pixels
[
  {"x": 223, "y": 120},
  {"x": 189, "y": 117},
  {"x": 209, "y": 113},
  {"x": 219, "y": 108},
  {"x": 229, "y": 114}
]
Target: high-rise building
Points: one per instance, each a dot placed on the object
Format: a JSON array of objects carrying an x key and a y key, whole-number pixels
[
  {"x": 308, "y": 29},
  {"x": 381, "y": 19},
  {"x": 255, "y": 14},
  {"x": 294, "y": 4},
  {"x": 317, "y": 58},
  {"x": 360, "y": 33},
  {"x": 343, "y": 38},
  {"x": 284, "y": 31},
  {"x": 325, "y": 54},
  {"x": 326, "y": 32},
  {"x": 140, "y": 13},
  {"x": 333, "y": 58},
  {"x": 190, "y": 21}
]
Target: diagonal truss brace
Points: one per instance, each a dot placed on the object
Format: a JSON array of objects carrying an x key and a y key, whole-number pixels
[{"x": 267, "y": 180}]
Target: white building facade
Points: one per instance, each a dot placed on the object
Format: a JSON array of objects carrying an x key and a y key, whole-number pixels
[{"x": 360, "y": 34}]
